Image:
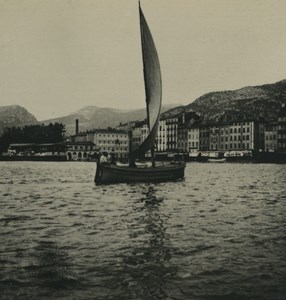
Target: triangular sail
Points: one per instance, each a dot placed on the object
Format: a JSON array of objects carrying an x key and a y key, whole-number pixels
[{"x": 153, "y": 86}]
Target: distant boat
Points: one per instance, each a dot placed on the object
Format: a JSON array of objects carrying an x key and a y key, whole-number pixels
[
  {"x": 216, "y": 160},
  {"x": 153, "y": 89}
]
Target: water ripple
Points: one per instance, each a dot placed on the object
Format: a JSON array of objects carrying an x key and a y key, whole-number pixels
[{"x": 219, "y": 234}]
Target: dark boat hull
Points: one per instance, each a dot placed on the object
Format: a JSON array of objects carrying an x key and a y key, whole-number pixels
[{"x": 118, "y": 174}]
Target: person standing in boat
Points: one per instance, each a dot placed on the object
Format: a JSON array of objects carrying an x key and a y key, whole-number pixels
[{"x": 101, "y": 160}]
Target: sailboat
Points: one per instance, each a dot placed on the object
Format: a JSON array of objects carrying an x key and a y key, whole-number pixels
[{"x": 153, "y": 90}]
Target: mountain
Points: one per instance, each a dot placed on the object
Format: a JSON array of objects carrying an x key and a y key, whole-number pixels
[
  {"x": 101, "y": 117},
  {"x": 15, "y": 115},
  {"x": 249, "y": 102}
]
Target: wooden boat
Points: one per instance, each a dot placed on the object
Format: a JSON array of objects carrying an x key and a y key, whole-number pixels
[
  {"x": 153, "y": 90},
  {"x": 117, "y": 174}
]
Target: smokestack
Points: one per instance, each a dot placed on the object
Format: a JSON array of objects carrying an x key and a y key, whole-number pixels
[{"x": 76, "y": 126}]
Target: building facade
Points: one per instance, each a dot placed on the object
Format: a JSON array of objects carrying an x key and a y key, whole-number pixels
[
  {"x": 110, "y": 141},
  {"x": 236, "y": 136},
  {"x": 161, "y": 141},
  {"x": 193, "y": 138},
  {"x": 282, "y": 129},
  {"x": 204, "y": 137},
  {"x": 271, "y": 137},
  {"x": 81, "y": 150}
]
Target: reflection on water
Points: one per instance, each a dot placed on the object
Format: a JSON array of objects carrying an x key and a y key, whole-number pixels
[
  {"x": 145, "y": 268},
  {"x": 220, "y": 234}
]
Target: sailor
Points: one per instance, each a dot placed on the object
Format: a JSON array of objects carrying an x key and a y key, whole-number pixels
[{"x": 103, "y": 159}]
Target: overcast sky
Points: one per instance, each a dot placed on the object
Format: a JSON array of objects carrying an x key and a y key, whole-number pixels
[{"x": 57, "y": 56}]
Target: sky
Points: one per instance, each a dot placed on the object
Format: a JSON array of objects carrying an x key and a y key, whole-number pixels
[{"x": 58, "y": 56}]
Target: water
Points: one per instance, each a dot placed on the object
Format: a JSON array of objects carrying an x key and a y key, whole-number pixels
[{"x": 220, "y": 234}]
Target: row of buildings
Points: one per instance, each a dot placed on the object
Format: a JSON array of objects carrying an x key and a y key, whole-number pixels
[{"x": 184, "y": 133}]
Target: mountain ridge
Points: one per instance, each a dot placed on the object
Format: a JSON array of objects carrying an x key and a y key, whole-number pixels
[
  {"x": 255, "y": 102},
  {"x": 14, "y": 116},
  {"x": 101, "y": 117}
]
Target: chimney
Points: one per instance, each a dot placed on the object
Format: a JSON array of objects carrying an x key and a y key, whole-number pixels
[
  {"x": 183, "y": 117},
  {"x": 76, "y": 126}
]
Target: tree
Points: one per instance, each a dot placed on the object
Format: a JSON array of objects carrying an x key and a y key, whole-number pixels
[{"x": 39, "y": 134}]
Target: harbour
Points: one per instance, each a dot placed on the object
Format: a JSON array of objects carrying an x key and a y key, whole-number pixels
[
  {"x": 218, "y": 234},
  {"x": 119, "y": 182}
]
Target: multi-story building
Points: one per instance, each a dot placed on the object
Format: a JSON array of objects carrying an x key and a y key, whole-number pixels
[
  {"x": 110, "y": 141},
  {"x": 81, "y": 150},
  {"x": 271, "y": 137},
  {"x": 172, "y": 133},
  {"x": 243, "y": 135},
  {"x": 204, "y": 137},
  {"x": 282, "y": 129},
  {"x": 193, "y": 138},
  {"x": 177, "y": 130},
  {"x": 182, "y": 143},
  {"x": 161, "y": 141}
]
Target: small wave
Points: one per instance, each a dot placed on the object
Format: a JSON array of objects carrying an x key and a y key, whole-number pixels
[{"x": 7, "y": 182}]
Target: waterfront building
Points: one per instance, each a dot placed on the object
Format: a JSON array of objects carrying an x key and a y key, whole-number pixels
[
  {"x": 34, "y": 149},
  {"x": 161, "y": 141},
  {"x": 182, "y": 145},
  {"x": 172, "y": 132},
  {"x": 204, "y": 137},
  {"x": 236, "y": 136},
  {"x": 177, "y": 130},
  {"x": 193, "y": 138},
  {"x": 110, "y": 141},
  {"x": 271, "y": 137},
  {"x": 282, "y": 129},
  {"x": 81, "y": 150}
]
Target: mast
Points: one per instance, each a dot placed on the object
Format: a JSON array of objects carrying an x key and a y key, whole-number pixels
[
  {"x": 153, "y": 87},
  {"x": 145, "y": 79}
]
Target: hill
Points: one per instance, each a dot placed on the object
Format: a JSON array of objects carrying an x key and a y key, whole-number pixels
[
  {"x": 15, "y": 115},
  {"x": 101, "y": 117},
  {"x": 253, "y": 102}
]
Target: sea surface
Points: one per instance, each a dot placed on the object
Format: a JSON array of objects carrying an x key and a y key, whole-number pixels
[{"x": 219, "y": 234}]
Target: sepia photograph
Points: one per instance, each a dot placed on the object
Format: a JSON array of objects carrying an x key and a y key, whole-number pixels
[{"x": 143, "y": 149}]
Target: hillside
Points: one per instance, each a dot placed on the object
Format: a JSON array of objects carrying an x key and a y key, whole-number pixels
[
  {"x": 100, "y": 117},
  {"x": 15, "y": 115},
  {"x": 249, "y": 102}
]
